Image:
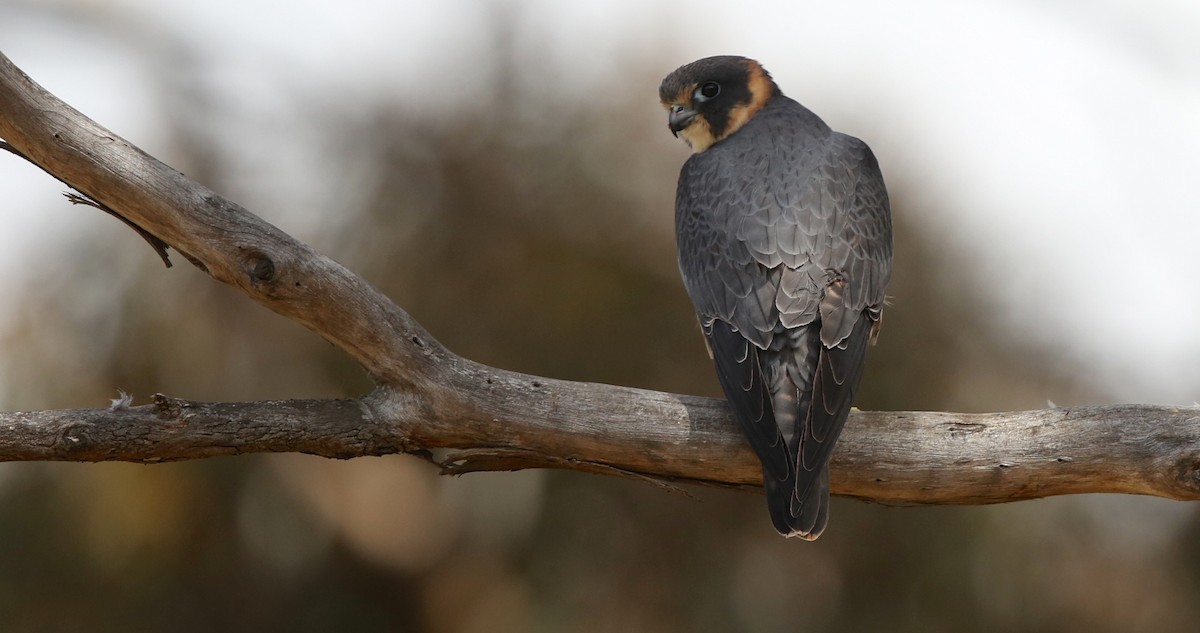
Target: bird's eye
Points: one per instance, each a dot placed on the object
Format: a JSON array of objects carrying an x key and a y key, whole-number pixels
[{"x": 707, "y": 91}]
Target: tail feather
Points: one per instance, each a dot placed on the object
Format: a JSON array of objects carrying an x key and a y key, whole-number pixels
[
  {"x": 803, "y": 518},
  {"x": 791, "y": 401}
]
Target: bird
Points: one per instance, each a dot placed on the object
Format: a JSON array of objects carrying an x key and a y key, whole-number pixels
[{"x": 784, "y": 236}]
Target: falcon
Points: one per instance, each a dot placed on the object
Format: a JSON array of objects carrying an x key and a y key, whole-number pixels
[{"x": 785, "y": 247}]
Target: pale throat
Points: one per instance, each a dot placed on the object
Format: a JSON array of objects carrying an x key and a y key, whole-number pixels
[{"x": 698, "y": 135}]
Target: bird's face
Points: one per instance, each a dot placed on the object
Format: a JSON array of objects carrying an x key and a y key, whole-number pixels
[{"x": 709, "y": 99}]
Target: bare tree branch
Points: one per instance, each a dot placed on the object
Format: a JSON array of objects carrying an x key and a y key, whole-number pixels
[
  {"x": 481, "y": 418},
  {"x": 894, "y": 458},
  {"x": 218, "y": 236}
]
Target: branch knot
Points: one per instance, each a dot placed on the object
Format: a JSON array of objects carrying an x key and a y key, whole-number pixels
[{"x": 262, "y": 269}]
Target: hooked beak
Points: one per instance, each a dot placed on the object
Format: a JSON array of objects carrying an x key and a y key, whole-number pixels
[{"x": 679, "y": 118}]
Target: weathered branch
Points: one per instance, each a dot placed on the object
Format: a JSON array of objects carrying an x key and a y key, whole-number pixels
[
  {"x": 217, "y": 235},
  {"x": 491, "y": 419},
  {"x": 895, "y": 458}
]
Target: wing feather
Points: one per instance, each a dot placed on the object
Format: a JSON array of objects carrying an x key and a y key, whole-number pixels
[{"x": 741, "y": 377}]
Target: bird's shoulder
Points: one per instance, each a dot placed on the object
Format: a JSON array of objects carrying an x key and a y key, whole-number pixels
[{"x": 789, "y": 119}]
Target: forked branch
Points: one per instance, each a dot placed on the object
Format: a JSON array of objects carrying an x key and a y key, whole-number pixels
[{"x": 489, "y": 419}]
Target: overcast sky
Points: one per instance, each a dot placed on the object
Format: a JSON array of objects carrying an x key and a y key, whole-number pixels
[{"x": 1059, "y": 138}]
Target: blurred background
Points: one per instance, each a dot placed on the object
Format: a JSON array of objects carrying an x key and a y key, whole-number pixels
[{"x": 503, "y": 171}]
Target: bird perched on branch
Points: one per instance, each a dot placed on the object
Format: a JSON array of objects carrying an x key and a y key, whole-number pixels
[{"x": 785, "y": 246}]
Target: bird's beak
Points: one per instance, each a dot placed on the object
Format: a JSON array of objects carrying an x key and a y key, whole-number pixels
[{"x": 679, "y": 117}]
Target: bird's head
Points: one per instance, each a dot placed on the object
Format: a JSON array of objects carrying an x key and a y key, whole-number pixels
[{"x": 709, "y": 99}]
